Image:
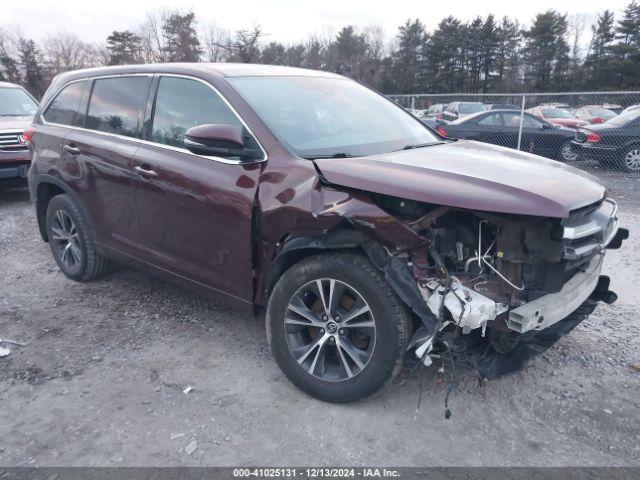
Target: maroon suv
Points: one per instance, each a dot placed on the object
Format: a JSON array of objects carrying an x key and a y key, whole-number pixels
[
  {"x": 362, "y": 233},
  {"x": 17, "y": 108}
]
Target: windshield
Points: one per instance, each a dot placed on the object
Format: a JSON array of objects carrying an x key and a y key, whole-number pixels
[
  {"x": 556, "y": 113},
  {"x": 601, "y": 112},
  {"x": 318, "y": 117},
  {"x": 15, "y": 102},
  {"x": 624, "y": 118},
  {"x": 471, "y": 107}
]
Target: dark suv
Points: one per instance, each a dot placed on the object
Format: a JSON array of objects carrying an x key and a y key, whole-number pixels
[
  {"x": 361, "y": 232},
  {"x": 17, "y": 108}
]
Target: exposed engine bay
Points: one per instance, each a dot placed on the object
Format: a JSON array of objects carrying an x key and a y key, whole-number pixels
[{"x": 497, "y": 283}]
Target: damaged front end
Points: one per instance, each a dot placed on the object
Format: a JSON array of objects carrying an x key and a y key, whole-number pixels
[{"x": 498, "y": 288}]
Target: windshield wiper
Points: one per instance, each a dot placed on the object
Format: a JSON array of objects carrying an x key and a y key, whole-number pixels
[
  {"x": 419, "y": 145},
  {"x": 333, "y": 155}
]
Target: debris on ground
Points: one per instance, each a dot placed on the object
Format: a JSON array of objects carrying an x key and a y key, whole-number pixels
[
  {"x": 173, "y": 436},
  {"x": 187, "y": 390},
  {"x": 635, "y": 366},
  {"x": 13, "y": 342},
  {"x": 4, "y": 352},
  {"x": 189, "y": 449}
]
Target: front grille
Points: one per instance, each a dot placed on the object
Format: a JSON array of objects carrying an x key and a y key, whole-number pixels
[
  {"x": 10, "y": 142},
  {"x": 587, "y": 231}
]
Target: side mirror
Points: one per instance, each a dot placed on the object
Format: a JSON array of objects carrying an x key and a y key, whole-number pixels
[{"x": 218, "y": 139}]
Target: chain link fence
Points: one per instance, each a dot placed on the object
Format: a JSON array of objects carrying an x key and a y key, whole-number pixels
[{"x": 595, "y": 131}]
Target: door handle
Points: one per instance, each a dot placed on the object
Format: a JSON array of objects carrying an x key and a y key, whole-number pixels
[
  {"x": 143, "y": 172},
  {"x": 71, "y": 149}
]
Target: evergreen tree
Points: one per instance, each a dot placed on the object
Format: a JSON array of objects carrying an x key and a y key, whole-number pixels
[
  {"x": 31, "y": 62},
  {"x": 181, "y": 42},
  {"x": 124, "y": 48}
]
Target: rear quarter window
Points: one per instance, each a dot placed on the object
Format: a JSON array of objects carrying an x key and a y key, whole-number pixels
[
  {"x": 65, "y": 109},
  {"x": 117, "y": 105}
]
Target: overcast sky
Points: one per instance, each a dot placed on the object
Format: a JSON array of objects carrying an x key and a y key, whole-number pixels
[{"x": 284, "y": 20}]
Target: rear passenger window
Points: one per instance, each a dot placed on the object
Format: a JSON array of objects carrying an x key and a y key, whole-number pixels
[
  {"x": 117, "y": 104},
  {"x": 64, "y": 109},
  {"x": 181, "y": 104}
]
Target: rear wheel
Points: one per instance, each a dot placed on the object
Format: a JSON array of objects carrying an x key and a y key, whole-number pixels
[
  {"x": 631, "y": 160},
  {"x": 70, "y": 241},
  {"x": 336, "y": 329},
  {"x": 566, "y": 153}
]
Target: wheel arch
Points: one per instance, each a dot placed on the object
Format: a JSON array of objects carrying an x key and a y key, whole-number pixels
[{"x": 43, "y": 189}]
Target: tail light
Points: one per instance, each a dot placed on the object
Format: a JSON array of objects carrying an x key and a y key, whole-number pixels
[
  {"x": 442, "y": 131},
  {"x": 27, "y": 135},
  {"x": 439, "y": 116},
  {"x": 597, "y": 120},
  {"x": 593, "y": 137}
]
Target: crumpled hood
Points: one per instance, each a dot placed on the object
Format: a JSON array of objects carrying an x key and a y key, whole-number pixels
[
  {"x": 470, "y": 175},
  {"x": 15, "y": 123}
]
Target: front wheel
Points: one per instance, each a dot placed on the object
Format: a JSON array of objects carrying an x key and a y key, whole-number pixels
[
  {"x": 631, "y": 160},
  {"x": 336, "y": 329}
]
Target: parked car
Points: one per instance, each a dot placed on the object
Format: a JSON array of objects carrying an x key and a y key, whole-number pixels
[
  {"x": 17, "y": 108},
  {"x": 615, "y": 142},
  {"x": 501, "y": 127},
  {"x": 557, "y": 116},
  {"x": 434, "y": 111},
  {"x": 462, "y": 109},
  {"x": 360, "y": 231},
  {"x": 594, "y": 114},
  {"x": 502, "y": 106},
  {"x": 614, "y": 107},
  {"x": 631, "y": 108}
]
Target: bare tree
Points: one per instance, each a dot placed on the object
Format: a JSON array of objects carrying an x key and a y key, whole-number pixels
[
  {"x": 64, "y": 51},
  {"x": 216, "y": 43},
  {"x": 245, "y": 45},
  {"x": 577, "y": 23}
]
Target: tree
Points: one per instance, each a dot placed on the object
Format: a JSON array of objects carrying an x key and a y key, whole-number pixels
[
  {"x": 245, "y": 45},
  {"x": 346, "y": 53},
  {"x": 408, "y": 58},
  {"x": 626, "y": 52},
  {"x": 598, "y": 62},
  {"x": 31, "y": 63},
  {"x": 9, "y": 66},
  {"x": 546, "y": 51},
  {"x": 181, "y": 42},
  {"x": 65, "y": 51},
  {"x": 124, "y": 48}
]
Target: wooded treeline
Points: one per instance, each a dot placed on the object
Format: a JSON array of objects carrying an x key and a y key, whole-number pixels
[{"x": 556, "y": 52}]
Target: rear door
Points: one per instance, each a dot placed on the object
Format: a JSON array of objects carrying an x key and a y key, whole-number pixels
[
  {"x": 195, "y": 212},
  {"x": 103, "y": 151}
]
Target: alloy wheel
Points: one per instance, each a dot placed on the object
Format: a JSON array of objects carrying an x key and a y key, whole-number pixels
[
  {"x": 65, "y": 236},
  {"x": 330, "y": 329},
  {"x": 632, "y": 160}
]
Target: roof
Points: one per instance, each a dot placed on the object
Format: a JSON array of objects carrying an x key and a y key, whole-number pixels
[{"x": 203, "y": 69}]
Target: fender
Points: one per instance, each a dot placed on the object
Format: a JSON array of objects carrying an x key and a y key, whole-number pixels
[{"x": 42, "y": 178}]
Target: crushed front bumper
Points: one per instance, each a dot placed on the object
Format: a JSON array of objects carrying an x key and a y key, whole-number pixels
[{"x": 553, "y": 307}]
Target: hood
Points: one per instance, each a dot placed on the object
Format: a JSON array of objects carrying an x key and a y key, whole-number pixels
[
  {"x": 470, "y": 175},
  {"x": 15, "y": 123},
  {"x": 568, "y": 122}
]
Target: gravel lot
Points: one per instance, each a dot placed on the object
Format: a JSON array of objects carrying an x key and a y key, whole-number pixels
[{"x": 101, "y": 380}]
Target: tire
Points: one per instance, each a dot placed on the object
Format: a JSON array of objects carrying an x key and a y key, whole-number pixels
[
  {"x": 630, "y": 160},
  {"x": 566, "y": 153},
  {"x": 67, "y": 230},
  {"x": 367, "y": 349}
]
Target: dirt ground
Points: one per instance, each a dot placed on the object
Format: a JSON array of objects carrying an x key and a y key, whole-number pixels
[{"x": 101, "y": 380}]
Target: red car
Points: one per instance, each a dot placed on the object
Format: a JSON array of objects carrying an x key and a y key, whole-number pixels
[
  {"x": 359, "y": 232},
  {"x": 17, "y": 108},
  {"x": 558, "y": 116}
]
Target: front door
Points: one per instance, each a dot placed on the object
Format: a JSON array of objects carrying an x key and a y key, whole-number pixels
[{"x": 194, "y": 212}]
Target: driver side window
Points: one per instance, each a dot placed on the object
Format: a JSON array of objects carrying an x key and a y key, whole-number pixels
[{"x": 183, "y": 103}]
